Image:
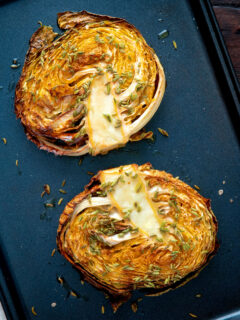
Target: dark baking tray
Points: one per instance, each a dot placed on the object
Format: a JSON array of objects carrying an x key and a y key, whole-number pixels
[{"x": 200, "y": 110}]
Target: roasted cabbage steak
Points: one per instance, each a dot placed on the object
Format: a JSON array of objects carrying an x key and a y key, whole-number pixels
[
  {"x": 134, "y": 227},
  {"x": 91, "y": 89}
]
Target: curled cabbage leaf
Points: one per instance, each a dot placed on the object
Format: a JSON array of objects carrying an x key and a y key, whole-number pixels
[
  {"x": 137, "y": 228},
  {"x": 90, "y": 90}
]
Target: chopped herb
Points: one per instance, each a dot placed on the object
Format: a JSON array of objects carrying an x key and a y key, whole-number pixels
[
  {"x": 33, "y": 311},
  {"x": 193, "y": 211},
  {"x": 163, "y": 132},
  {"x": 163, "y": 34},
  {"x": 90, "y": 173},
  {"x": 163, "y": 227},
  {"x": 129, "y": 74},
  {"x": 118, "y": 90},
  {"x": 137, "y": 279},
  {"x": 173, "y": 203},
  {"x": 102, "y": 310},
  {"x": 137, "y": 206},
  {"x": 110, "y": 39},
  {"x": 185, "y": 246},
  {"x": 108, "y": 88},
  {"x": 116, "y": 77},
  {"x": 15, "y": 66},
  {"x": 166, "y": 281},
  {"x": 127, "y": 213},
  {"x": 97, "y": 39},
  {"x": 193, "y": 315},
  {"x": 174, "y": 44},
  {"x": 134, "y": 230},
  {"x": 4, "y": 140},
  {"x": 60, "y": 201},
  {"x": 161, "y": 211},
  {"x": 62, "y": 191},
  {"x": 139, "y": 86},
  {"x": 110, "y": 68},
  {"x": 133, "y": 96},
  {"x": 149, "y": 284},
  {"x": 115, "y": 265},
  {"x": 121, "y": 45},
  {"x": 138, "y": 187},
  {"x": 174, "y": 254},
  {"x": 107, "y": 117},
  {"x": 118, "y": 123},
  {"x": 196, "y": 187},
  {"x": 47, "y": 188},
  {"x": 76, "y": 113},
  {"x": 60, "y": 280},
  {"x": 134, "y": 307},
  {"x": 49, "y": 205},
  {"x": 89, "y": 197},
  {"x": 128, "y": 268},
  {"x": 73, "y": 294},
  {"x": 155, "y": 196}
]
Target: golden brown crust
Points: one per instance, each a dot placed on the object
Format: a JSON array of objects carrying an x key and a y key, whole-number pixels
[
  {"x": 53, "y": 96},
  {"x": 164, "y": 270}
]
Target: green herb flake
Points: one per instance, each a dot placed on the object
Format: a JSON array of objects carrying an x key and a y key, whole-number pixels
[
  {"x": 174, "y": 44},
  {"x": 60, "y": 201},
  {"x": 138, "y": 187},
  {"x": 118, "y": 90},
  {"x": 133, "y": 96},
  {"x": 107, "y": 117},
  {"x": 137, "y": 206},
  {"x": 163, "y": 227},
  {"x": 116, "y": 77},
  {"x": 108, "y": 88},
  {"x": 97, "y": 39},
  {"x": 185, "y": 246},
  {"x": 118, "y": 123},
  {"x": 163, "y": 132},
  {"x": 76, "y": 113},
  {"x": 62, "y": 191},
  {"x": 163, "y": 34},
  {"x": 128, "y": 268},
  {"x": 193, "y": 315},
  {"x": 174, "y": 254}
]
